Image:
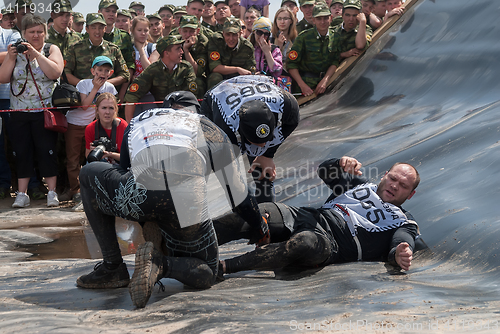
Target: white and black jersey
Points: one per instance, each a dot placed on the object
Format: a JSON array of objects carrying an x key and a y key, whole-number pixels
[
  {"x": 176, "y": 150},
  {"x": 222, "y": 103}
]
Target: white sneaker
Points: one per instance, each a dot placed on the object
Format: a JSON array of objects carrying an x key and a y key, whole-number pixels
[
  {"x": 22, "y": 200},
  {"x": 52, "y": 199}
]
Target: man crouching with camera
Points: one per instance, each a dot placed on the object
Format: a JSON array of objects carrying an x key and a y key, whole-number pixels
[{"x": 103, "y": 137}]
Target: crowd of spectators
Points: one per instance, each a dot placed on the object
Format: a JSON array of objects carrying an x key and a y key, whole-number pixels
[{"x": 140, "y": 55}]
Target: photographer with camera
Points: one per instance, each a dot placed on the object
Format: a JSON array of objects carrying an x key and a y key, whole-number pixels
[
  {"x": 32, "y": 68},
  {"x": 103, "y": 137}
]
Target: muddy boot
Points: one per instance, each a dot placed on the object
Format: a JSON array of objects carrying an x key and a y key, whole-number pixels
[{"x": 148, "y": 270}]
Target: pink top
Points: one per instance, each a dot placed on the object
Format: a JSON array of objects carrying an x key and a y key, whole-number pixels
[{"x": 261, "y": 63}]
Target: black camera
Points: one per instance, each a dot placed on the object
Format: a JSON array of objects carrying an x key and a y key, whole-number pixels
[
  {"x": 20, "y": 47},
  {"x": 102, "y": 144}
]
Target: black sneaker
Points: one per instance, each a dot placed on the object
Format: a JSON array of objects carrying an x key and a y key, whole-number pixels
[
  {"x": 148, "y": 270},
  {"x": 102, "y": 278}
]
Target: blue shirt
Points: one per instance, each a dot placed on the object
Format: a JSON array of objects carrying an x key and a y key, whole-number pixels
[{"x": 7, "y": 37}]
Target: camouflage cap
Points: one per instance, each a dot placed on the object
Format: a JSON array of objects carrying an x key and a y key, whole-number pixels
[
  {"x": 124, "y": 12},
  {"x": 171, "y": 8},
  {"x": 132, "y": 11},
  {"x": 232, "y": 24},
  {"x": 107, "y": 3},
  {"x": 338, "y": 1},
  {"x": 180, "y": 9},
  {"x": 321, "y": 10},
  {"x": 306, "y": 2},
  {"x": 22, "y": 3},
  {"x": 202, "y": 1},
  {"x": 62, "y": 6},
  {"x": 95, "y": 18},
  {"x": 352, "y": 4},
  {"x": 153, "y": 16},
  {"x": 166, "y": 41},
  {"x": 9, "y": 10},
  {"x": 78, "y": 17},
  {"x": 136, "y": 3},
  {"x": 189, "y": 21},
  {"x": 285, "y": 1}
]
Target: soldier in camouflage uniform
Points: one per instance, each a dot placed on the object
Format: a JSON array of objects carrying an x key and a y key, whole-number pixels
[
  {"x": 138, "y": 7},
  {"x": 336, "y": 7},
  {"x": 229, "y": 54},
  {"x": 209, "y": 20},
  {"x": 109, "y": 8},
  {"x": 195, "y": 8},
  {"x": 166, "y": 13},
  {"x": 8, "y": 20},
  {"x": 310, "y": 62},
  {"x": 372, "y": 20},
  {"x": 121, "y": 38},
  {"x": 353, "y": 36},
  {"x": 178, "y": 13},
  {"x": 123, "y": 20},
  {"x": 195, "y": 50},
  {"x": 21, "y": 8},
  {"x": 306, "y": 7},
  {"x": 292, "y": 5},
  {"x": 222, "y": 12},
  {"x": 164, "y": 76},
  {"x": 155, "y": 27},
  {"x": 78, "y": 22},
  {"x": 79, "y": 58},
  {"x": 59, "y": 34}
]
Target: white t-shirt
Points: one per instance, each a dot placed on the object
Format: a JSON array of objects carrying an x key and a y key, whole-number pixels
[{"x": 85, "y": 117}]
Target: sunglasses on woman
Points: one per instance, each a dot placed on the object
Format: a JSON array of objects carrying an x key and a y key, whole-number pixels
[{"x": 260, "y": 33}]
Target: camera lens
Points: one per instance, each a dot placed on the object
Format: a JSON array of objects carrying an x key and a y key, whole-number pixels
[
  {"x": 21, "y": 48},
  {"x": 96, "y": 154}
]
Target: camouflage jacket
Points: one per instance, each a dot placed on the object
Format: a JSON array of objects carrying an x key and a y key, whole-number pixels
[
  {"x": 200, "y": 55},
  {"x": 216, "y": 28},
  {"x": 205, "y": 31},
  {"x": 124, "y": 42},
  {"x": 342, "y": 41},
  {"x": 220, "y": 54},
  {"x": 303, "y": 25},
  {"x": 80, "y": 56},
  {"x": 63, "y": 42},
  {"x": 158, "y": 80},
  {"x": 310, "y": 52}
]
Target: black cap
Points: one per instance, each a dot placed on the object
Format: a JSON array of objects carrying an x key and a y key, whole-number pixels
[
  {"x": 184, "y": 98},
  {"x": 257, "y": 121}
]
